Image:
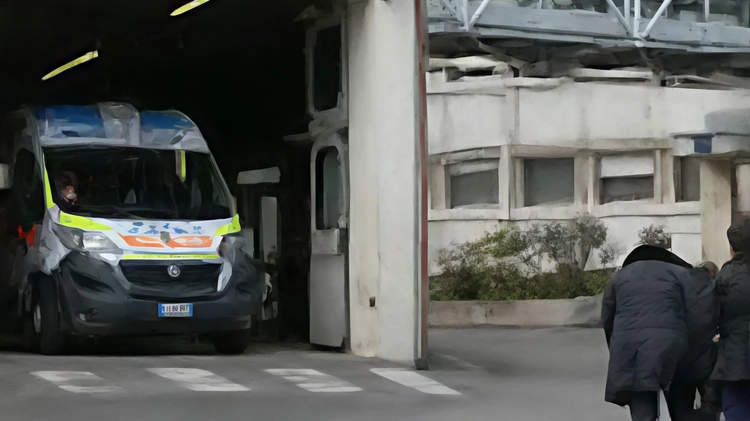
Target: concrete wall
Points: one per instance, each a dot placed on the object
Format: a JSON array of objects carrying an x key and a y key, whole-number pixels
[
  {"x": 384, "y": 248},
  {"x": 468, "y": 115},
  {"x": 584, "y": 311}
]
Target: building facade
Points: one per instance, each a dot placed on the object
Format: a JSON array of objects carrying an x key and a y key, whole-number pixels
[
  {"x": 526, "y": 150},
  {"x": 542, "y": 110}
]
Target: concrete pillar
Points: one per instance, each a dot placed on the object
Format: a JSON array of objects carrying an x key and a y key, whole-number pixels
[
  {"x": 743, "y": 188},
  {"x": 716, "y": 209},
  {"x": 383, "y": 127}
]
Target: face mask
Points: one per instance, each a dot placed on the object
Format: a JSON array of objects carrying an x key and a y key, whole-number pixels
[{"x": 71, "y": 196}]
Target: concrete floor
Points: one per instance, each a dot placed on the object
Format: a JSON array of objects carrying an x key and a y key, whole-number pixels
[{"x": 495, "y": 374}]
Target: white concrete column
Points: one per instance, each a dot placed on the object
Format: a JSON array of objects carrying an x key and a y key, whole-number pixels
[
  {"x": 658, "y": 176},
  {"x": 743, "y": 188},
  {"x": 716, "y": 209},
  {"x": 437, "y": 186},
  {"x": 507, "y": 177},
  {"x": 581, "y": 176},
  {"x": 667, "y": 176},
  {"x": 594, "y": 182},
  {"x": 384, "y": 244}
]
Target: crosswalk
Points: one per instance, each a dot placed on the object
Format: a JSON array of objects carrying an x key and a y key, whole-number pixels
[{"x": 202, "y": 380}]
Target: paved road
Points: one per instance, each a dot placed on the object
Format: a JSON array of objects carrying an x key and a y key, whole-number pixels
[{"x": 478, "y": 374}]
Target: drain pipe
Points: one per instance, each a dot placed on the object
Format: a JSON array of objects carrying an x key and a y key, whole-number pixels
[{"x": 420, "y": 20}]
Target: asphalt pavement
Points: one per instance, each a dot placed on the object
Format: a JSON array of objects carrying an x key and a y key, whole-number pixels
[{"x": 476, "y": 374}]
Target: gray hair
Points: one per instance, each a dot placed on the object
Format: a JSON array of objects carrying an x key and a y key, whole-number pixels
[{"x": 710, "y": 266}]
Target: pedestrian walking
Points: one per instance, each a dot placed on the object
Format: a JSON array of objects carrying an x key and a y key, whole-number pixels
[
  {"x": 733, "y": 364},
  {"x": 647, "y": 308},
  {"x": 694, "y": 370}
]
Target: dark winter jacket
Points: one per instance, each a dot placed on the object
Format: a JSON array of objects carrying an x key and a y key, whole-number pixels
[
  {"x": 701, "y": 356},
  {"x": 647, "y": 310},
  {"x": 733, "y": 287}
]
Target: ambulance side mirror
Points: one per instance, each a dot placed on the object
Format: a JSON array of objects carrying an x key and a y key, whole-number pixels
[{"x": 5, "y": 181}]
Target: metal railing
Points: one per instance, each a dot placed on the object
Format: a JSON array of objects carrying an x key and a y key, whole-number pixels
[{"x": 632, "y": 25}]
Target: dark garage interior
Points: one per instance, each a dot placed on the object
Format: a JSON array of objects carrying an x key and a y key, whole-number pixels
[{"x": 236, "y": 67}]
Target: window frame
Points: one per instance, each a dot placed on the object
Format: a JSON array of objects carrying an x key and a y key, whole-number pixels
[
  {"x": 611, "y": 174},
  {"x": 471, "y": 166},
  {"x": 521, "y": 182},
  {"x": 678, "y": 178}
]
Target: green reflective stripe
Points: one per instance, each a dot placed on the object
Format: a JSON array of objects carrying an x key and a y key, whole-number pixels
[
  {"x": 183, "y": 166},
  {"x": 229, "y": 228},
  {"x": 48, "y": 191},
  {"x": 81, "y": 222},
  {"x": 170, "y": 256}
]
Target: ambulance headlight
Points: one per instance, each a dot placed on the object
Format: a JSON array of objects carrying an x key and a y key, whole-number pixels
[{"x": 84, "y": 240}]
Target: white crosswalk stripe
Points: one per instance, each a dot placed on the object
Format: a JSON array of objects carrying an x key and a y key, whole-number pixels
[
  {"x": 198, "y": 380},
  {"x": 77, "y": 381},
  {"x": 414, "y": 380},
  {"x": 315, "y": 381},
  {"x": 201, "y": 380}
]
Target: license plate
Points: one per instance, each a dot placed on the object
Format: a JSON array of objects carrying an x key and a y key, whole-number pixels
[{"x": 175, "y": 310}]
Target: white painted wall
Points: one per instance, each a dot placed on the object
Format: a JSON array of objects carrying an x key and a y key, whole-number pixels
[
  {"x": 577, "y": 112},
  {"x": 384, "y": 246},
  {"x": 465, "y": 115}
]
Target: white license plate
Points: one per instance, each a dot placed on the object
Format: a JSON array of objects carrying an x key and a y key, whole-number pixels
[{"x": 175, "y": 310}]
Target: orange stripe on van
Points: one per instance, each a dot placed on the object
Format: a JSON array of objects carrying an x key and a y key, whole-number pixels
[{"x": 186, "y": 241}]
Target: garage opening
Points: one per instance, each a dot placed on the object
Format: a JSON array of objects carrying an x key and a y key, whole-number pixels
[{"x": 236, "y": 68}]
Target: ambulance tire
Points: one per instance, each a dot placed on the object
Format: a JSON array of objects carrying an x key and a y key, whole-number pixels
[
  {"x": 232, "y": 343},
  {"x": 51, "y": 340}
]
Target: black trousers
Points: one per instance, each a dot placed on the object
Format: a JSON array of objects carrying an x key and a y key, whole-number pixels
[
  {"x": 644, "y": 406},
  {"x": 681, "y": 400},
  {"x": 735, "y": 398}
]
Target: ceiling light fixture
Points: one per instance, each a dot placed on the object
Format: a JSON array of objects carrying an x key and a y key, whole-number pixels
[
  {"x": 188, "y": 7},
  {"x": 80, "y": 60}
]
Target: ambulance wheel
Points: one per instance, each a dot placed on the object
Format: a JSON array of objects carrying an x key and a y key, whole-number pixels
[
  {"x": 232, "y": 343},
  {"x": 46, "y": 318}
]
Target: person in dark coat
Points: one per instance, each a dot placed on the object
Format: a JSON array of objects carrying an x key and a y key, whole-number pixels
[
  {"x": 695, "y": 368},
  {"x": 647, "y": 309},
  {"x": 732, "y": 368}
]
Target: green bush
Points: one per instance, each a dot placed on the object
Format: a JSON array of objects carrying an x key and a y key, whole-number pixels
[{"x": 506, "y": 264}]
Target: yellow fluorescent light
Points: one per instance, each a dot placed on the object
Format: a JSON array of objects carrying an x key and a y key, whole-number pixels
[
  {"x": 188, "y": 7},
  {"x": 80, "y": 60}
]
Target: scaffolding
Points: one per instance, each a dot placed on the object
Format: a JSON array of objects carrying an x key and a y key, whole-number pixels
[{"x": 686, "y": 25}]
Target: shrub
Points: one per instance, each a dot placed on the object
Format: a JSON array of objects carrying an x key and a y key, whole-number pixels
[
  {"x": 506, "y": 264},
  {"x": 654, "y": 235}
]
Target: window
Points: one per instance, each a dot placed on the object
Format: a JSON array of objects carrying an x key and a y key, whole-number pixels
[
  {"x": 328, "y": 189},
  {"x": 548, "y": 181},
  {"x": 327, "y": 68},
  {"x": 127, "y": 182},
  {"x": 687, "y": 179},
  {"x": 27, "y": 188},
  {"x": 627, "y": 177},
  {"x": 627, "y": 188},
  {"x": 474, "y": 184}
]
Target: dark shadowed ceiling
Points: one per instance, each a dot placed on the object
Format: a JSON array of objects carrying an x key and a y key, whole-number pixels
[{"x": 235, "y": 66}]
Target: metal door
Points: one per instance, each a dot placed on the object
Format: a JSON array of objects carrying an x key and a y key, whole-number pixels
[{"x": 329, "y": 196}]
